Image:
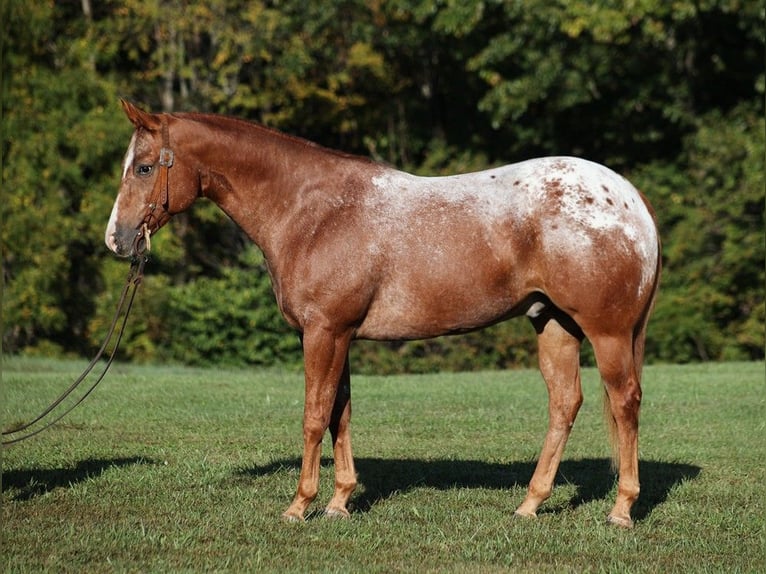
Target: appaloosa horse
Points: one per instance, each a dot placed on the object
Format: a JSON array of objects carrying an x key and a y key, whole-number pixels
[{"x": 356, "y": 249}]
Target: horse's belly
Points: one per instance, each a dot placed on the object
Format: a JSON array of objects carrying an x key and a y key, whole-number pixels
[
  {"x": 424, "y": 321},
  {"x": 439, "y": 300}
]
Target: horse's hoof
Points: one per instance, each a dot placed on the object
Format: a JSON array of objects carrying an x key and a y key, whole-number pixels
[
  {"x": 292, "y": 518},
  {"x": 618, "y": 521},
  {"x": 337, "y": 513},
  {"x": 523, "y": 514}
]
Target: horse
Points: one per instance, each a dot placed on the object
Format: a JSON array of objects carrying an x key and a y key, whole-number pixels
[{"x": 356, "y": 249}]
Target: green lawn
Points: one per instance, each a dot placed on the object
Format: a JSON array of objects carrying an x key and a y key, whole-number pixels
[{"x": 170, "y": 469}]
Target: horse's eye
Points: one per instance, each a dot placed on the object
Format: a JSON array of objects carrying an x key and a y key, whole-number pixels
[{"x": 144, "y": 170}]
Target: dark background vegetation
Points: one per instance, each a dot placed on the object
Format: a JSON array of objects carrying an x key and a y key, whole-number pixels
[{"x": 669, "y": 94}]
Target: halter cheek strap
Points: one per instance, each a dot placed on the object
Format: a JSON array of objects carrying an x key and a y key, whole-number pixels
[
  {"x": 166, "y": 162},
  {"x": 160, "y": 195}
]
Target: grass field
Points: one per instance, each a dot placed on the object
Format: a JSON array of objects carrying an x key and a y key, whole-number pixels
[{"x": 185, "y": 470}]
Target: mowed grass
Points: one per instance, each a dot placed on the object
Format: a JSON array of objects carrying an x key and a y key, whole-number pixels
[{"x": 170, "y": 469}]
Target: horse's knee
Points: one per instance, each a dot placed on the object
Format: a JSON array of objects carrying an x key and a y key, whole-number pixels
[{"x": 314, "y": 429}]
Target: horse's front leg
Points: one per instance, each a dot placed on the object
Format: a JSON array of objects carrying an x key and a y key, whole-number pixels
[
  {"x": 325, "y": 354},
  {"x": 345, "y": 475}
]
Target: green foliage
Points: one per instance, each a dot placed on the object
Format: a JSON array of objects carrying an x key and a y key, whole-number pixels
[
  {"x": 59, "y": 155},
  {"x": 229, "y": 320},
  {"x": 711, "y": 210},
  {"x": 618, "y": 82},
  {"x": 671, "y": 94}
]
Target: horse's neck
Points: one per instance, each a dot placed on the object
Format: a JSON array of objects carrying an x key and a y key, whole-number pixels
[{"x": 263, "y": 179}]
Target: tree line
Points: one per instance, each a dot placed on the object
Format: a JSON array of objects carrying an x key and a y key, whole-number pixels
[{"x": 671, "y": 95}]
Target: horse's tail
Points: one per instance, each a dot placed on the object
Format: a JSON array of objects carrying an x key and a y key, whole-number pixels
[{"x": 639, "y": 341}]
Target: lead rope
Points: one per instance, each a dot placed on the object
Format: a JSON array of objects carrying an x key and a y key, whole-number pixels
[{"x": 135, "y": 276}]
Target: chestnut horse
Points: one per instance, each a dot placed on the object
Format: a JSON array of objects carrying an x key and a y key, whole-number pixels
[{"x": 356, "y": 249}]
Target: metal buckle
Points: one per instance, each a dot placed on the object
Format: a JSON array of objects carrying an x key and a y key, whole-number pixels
[{"x": 166, "y": 157}]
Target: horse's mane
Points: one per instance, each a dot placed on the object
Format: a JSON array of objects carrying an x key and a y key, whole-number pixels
[{"x": 232, "y": 123}]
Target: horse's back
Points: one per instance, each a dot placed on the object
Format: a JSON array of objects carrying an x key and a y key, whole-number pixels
[{"x": 552, "y": 208}]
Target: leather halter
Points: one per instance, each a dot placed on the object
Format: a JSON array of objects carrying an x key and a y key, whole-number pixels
[{"x": 159, "y": 197}]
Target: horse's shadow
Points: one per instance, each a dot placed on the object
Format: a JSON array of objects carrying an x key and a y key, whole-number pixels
[
  {"x": 33, "y": 482},
  {"x": 593, "y": 478},
  {"x": 382, "y": 478}
]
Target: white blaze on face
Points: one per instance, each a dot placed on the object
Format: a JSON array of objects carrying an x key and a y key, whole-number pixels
[
  {"x": 111, "y": 228},
  {"x": 129, "y": 156},
  {"x": 127, "y": 164}
]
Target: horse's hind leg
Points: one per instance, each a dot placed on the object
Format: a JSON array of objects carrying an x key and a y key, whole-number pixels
[
  {"x": 620, "y": 375},
  {"x": 559, "y": 356},
  {"x": 345, "y": 475}
]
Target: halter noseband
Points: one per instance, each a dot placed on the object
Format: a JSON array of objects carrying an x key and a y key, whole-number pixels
[{"x": 159, "y": 197}]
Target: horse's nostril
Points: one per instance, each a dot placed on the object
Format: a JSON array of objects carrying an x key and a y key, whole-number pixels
[{"x": 115, "y": 245}]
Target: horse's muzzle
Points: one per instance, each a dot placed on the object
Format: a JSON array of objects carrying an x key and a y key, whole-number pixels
[{"x": 123, "y": 242}]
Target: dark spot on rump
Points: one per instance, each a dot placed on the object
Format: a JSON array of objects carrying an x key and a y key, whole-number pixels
[
  {"x": 626, "y": 205},
  {"x": 609, "y": 201},
  {"x": 605, "y": 188},
  {"x": 517, "y": 182},
  {"x": 555, "y": 187},
  {"x": 492, "y": 176},
  {"x": 589, "y": 200}
]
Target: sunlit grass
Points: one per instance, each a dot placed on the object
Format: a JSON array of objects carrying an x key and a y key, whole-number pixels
[{"x": 175, "y": 469}]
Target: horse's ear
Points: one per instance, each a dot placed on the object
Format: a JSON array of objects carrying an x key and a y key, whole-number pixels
[{"x": 139, "y": 117}]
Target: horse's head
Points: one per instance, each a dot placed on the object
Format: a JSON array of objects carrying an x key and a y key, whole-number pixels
[{"x": 157, "y": 182}]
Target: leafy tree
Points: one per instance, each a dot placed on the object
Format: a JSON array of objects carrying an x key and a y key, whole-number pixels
[
  {"x": 712, "y": 303},
  {"x": 671, "y": 94},
  {"x": 621, "y": 83},
  {"x": 58, "y": 151}
]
